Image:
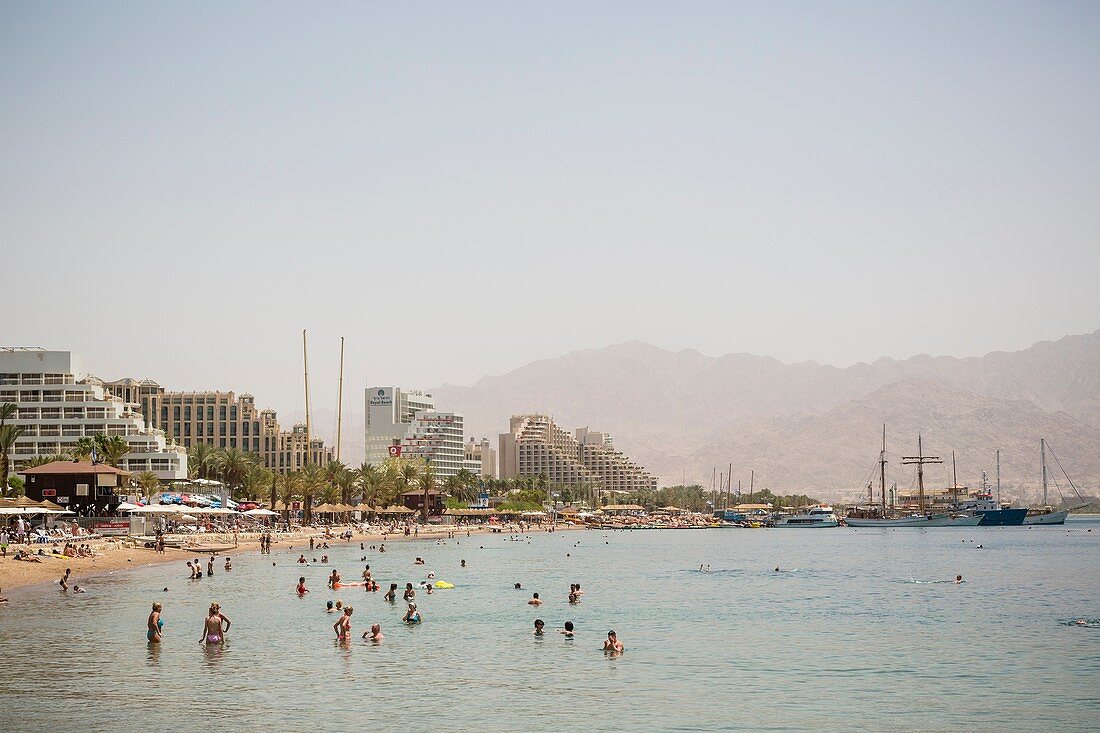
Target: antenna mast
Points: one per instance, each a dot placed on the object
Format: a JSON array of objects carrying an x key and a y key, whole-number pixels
[
  {"x": 305, "y": 369},
  {"x": 920, "y": 460},
  {"x": 340, "y": 400}
]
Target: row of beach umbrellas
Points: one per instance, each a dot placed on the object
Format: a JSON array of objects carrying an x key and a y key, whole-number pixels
[{"x": 26, "y": 505}]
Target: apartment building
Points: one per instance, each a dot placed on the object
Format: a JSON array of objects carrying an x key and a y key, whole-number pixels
[
  {"x": 481, "y": 458},
  {"x": 58, "y": 403},
  {"x": 221, "y": 420},
  {"x": 535, "y": 445}
]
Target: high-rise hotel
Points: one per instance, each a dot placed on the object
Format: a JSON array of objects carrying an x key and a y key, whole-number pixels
[
  {"x": 404, "y": 422},
  {"x": 58, "y": 403},
  {"x": 535, "y": 445}
]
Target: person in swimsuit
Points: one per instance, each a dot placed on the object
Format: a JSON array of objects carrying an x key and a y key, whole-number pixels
[
  {"x": 213, "y": 631},
  {"x": 540, "y": 627},
  {"x": 367, "y": 575},
  {"x": 535, "y": 601},
  {"x": 333, "y": 579},
  {"x": 155, "y": 624},
  {"x": 342, "y": 627},
  {"x": 375, "y": 634},
  {"x": 302, "y": 589},
  {"x": 567, "y": 632},
  {"x": 409, "y": 592},
  {"x": 412, "y": 616},
  {"x": 228, "y": 564},
  {"x": 328, "y": 607},
  {"x": 391, "y": 595},
  {"x": 301, "y": 560},
  {"x": 958, "y": 579},
  {"x": 612, "y": 643},
  {"x": 64, "y": 582}
]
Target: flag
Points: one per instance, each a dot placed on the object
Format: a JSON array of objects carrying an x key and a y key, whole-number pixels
[{"x": 95, "y": 456}]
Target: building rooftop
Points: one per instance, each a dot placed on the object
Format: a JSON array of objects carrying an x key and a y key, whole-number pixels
[{"x": 71, "y": 467}]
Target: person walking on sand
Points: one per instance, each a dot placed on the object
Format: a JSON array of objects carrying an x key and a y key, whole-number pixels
[
  {"x": 155, "y": 624},
  {"x": 342, "y": 627},
  {"x": 213, "y": 631}
]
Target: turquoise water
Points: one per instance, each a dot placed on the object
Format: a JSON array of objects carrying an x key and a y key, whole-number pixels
[{"x": 846, "y": 640}]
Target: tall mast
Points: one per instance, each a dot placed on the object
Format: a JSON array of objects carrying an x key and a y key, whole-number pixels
[
  {"x": 954, "y": 480},
  {"x": 340, "y": 400},
  {"x": 1043, "y": 462},
  {"x": 998, "y": 478},
  {"x": 729, "y": 484},
  {"x": 752, "y": 478},
  {"x": 713, "y": 492},
  {"x": 882, "y": 470},
  {"x": 919, "y": 461},
  {"x": 305, "y": 369}
]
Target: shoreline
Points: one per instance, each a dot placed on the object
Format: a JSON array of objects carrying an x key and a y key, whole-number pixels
[{"x": 117, "y": 556}]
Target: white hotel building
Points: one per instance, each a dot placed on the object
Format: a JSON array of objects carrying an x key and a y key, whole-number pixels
[
  {"x": 57, "y": 404},
  {"x": 405, "y": 422}
]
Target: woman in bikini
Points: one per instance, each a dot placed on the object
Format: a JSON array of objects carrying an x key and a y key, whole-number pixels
[
  {"x": 342, "y": 627},
  {"x": 213, "y": 633}
]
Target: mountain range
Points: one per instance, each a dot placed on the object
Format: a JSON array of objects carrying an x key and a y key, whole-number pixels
[{"x": 813, "y": 428}]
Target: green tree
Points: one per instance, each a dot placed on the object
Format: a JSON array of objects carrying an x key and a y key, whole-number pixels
[
  {"x": 148, "y": 483},
  {"x": 425, "y": 481},
  {"x": 232, "y": 465},
  {"x": 112, "y": 449},
  {"x": 15, "y": 486},
  {"x": 255, "y": 482},
  {"x": 368, "y": 479},
  {"x": 312, "y": 480},
  {"x": 201, "y": 461},
  {"x": 289, "y": 489},
  {"x": 8, "y": 435}
]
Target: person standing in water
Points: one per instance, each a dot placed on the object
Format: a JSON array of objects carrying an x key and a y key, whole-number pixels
[
  {"x": 612, "y": 643},
  {"x": 210, "y": 567},
  {"x": 155, "y": 624},
  {"x": 301, "y": 589},
  {"x": 64, "y": 582},
  {"x": 375, "y": 634},
  {"x": 391, "y": 595},
  {"x": 212, "y": 630},
  {"x": 342, "y": 627},
  {"x": 540, "y": 627}
]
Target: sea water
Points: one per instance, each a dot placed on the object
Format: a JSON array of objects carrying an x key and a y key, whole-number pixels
[{"x": 858, "y": 631}]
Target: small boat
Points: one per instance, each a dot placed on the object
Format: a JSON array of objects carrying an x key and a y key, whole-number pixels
[
  {"x": 1046, "y": 514},
  {"x": 821, "y": 515}
]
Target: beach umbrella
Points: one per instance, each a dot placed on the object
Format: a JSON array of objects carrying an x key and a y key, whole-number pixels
[
  {"x": 126, "y": 507},
  {"x": 187, "y": 519},
  {"x": 261, "y": 513}
]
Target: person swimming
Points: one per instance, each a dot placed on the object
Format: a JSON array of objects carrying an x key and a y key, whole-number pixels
[
  {"x": 328, "y": 607},
  {"x": 540, "y": 627},
  {"x": 342, "y": 627},
  {"x": 958, "y": 579},
  {"x": 213, "y": 629},
  {"x": 155, "y": 625}
]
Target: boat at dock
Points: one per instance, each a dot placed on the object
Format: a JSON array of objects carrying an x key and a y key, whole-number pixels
[
  {"x": 819, "y": 516},
  {"x": 1046, "y": 514}
]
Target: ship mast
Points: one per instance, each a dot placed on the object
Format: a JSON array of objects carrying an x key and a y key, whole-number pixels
[
  {"x": 1043, "y": 462},
  {"x": 340, "y": 400},
  {"x": 882, "y": 471},
  {"x": 920, "y": 460},
  {"x": 954, "y": 480},
  {"x": 305, "y": 370},
  {"x": 998, "y": 478}
]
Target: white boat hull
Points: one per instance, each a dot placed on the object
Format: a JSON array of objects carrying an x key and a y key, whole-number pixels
[
  {"x": 936, "y": 520},
  {"x": 807, "y": 525},
  {"x": 1052, "y": 518}
]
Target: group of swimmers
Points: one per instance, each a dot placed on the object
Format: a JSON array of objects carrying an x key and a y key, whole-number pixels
[{"x": 196, "y": 567}]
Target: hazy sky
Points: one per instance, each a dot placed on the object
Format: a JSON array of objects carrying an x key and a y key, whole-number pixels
[{"x": 462, "y": 188}]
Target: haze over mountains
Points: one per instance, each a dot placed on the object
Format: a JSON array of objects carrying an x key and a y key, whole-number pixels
[{"x": 812, "y": 428}]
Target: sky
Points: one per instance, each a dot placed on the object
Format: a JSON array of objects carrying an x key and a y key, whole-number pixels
[{"x": 459, "y": 189}]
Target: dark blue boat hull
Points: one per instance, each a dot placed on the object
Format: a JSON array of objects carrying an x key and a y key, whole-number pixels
[{"x": 1002, "y": 517}]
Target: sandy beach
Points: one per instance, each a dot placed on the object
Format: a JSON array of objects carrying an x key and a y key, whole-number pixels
[{"x": 120, "y": 553}]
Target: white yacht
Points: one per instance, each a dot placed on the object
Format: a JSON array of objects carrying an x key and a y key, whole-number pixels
[{"x": 821, "y": 515}]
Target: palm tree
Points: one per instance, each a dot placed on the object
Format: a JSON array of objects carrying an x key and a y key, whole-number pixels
[
  {"x": 232, "y": 465},
  {"x": 200, "y": 460},
  {"x": 82, "y": 448},
  {"x": 255, "y": 480},
  {"x": 288, "y": 492},
  {"x": 466, "y": 485},
  {"x": 405, "y": 478},
  {"x": 312, "y": 480},
  {"x": 8, "y": 435},
  {"x": 114, "y": 448},
  {"x": 149, "y": 484},
  {"x": 425, "y": 481},
  {"x": 43, "y": 460},
  {"x": 368, "y": 478}
]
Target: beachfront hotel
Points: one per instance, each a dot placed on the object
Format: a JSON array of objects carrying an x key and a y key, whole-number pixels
[
  {"x": 534, "y": 445},
  {"x": 58, "y": 403},
  {"x": 222, "y": 420},
  {"x": 481, "y": 458},
  {"x": 404, "y": 422}
]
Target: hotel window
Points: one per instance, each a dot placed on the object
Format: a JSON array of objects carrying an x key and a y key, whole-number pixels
[
  {"x": 186, "y": 413},
  {"x": 210, "y": 412},
  {"x": 255, "y": 445},
  {"x": 221, "y": 412}
]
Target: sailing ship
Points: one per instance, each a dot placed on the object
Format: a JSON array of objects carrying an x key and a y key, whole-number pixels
[
  {"x": 878, "y": 516},
  {"x": 1046, "y": 514}
]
